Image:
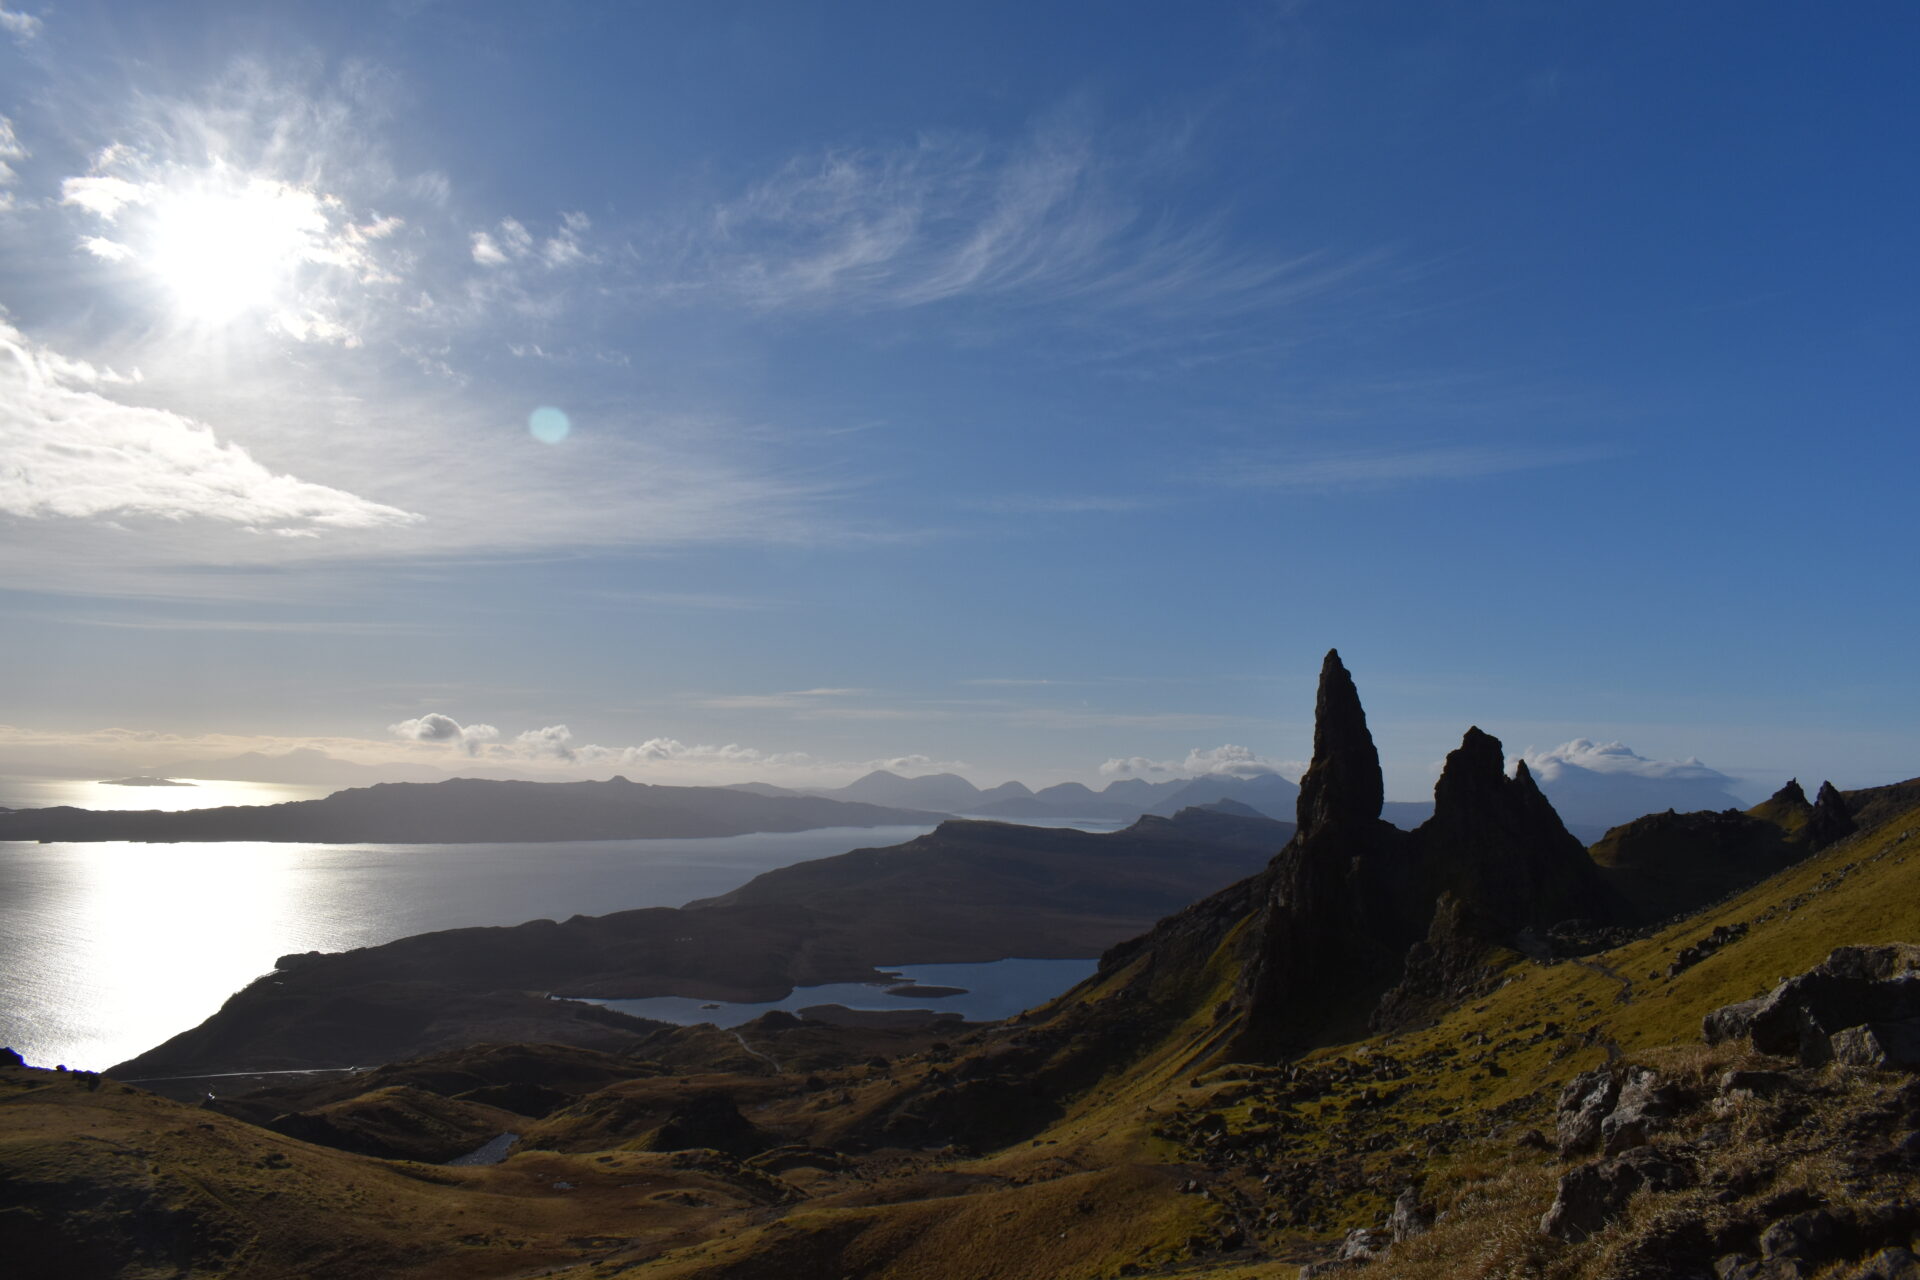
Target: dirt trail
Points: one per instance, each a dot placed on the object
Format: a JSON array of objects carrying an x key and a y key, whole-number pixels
[
  {"x": 1606, "y": 971},
  {"x": 767, "y": 1058}
]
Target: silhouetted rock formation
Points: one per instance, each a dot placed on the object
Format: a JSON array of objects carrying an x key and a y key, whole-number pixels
[
  {"x": 1497, "y": 844},
  {"x": 1788, "y": 808},
  {"x": 1354, "y": 908},
  {"x": 1831, "y": 822},
  {"x": 1343, "y": 784}
]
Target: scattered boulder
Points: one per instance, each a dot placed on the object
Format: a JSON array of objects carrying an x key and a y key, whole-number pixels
[
  {"x": 1365, "y": 1244},
  {"x": 1730, "y": 1021},
  {"x": 1881, "y": 1045},
  {"x": 1585, "y": 1102},
  {"x": 1645, "y": 1105},
  {"x": 1362, "y": 1245},
  {"x": 1739, "y": 1086},
  {"x": 1594, "y": 1194},
  {"x": 1889, "y": 1264},
  {"x": 1805, "y": 1237},
  {"x": 1852, "y": 987},
  {"x": 1409, "y": 1218}
]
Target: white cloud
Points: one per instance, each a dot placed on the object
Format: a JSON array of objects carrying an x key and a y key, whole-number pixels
[
  {"x": 551, "y": 750},
  {"x": 72, "y": 452},
  {"x": 110, "y": 250},
  {"x": 486, "y": 252},
  {"x": 563, "y": 249},
  {"x": 1613, "y": 758},
  {"x": 102, "y": 195},
  {"x": 304, "y": 324},
  {"x": 511, "y": 242},
  {"x": 550, "y": 741},
  {"x": 435, "y": 727},
  {"x": 1234, "y": 761},
  {"x": 23, "y": 27}
]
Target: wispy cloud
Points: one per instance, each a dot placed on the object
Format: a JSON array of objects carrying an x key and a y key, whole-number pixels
[
  {"x": 269, "y": 626},
  {"x": 795, "y": 700},
  {"x": 1051, "y": 219},
  {"x": 10, "y": 149},
  {"x": 1063, "y": 504},
  {"x": 1013, "y": 682},
  {"x": 510, "y": 242},
  {"x": 1385, "y": 468},
  {"x": 74, "y": 453}
]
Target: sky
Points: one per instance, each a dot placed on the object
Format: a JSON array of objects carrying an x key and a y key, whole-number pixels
[{"x": 726, "y": 391}]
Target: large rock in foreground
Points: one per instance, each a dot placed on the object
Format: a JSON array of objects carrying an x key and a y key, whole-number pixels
[{"x": 1861, "y": 1005}]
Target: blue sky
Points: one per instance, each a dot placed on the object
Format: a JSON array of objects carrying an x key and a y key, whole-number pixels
[{"x": 1010, "y": 387}]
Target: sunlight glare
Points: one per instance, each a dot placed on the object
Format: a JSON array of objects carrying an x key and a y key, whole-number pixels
[{"x": 223, "y": 251}]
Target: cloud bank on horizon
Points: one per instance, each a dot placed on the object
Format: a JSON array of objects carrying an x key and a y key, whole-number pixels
[{"x": 1607, "y": 783}]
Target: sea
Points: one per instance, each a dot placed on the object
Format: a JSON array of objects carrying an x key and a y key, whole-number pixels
[{"x": 107, "y": 949}]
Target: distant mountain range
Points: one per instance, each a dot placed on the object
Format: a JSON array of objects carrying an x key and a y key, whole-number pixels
[
  {"x": 1589, "y": 801},
  {"x": 1120, "y": 801},
  {"x": 469, "y": 811},
  {"x": 302, "y": 766},
  {"x": 1593, "y": 788}
]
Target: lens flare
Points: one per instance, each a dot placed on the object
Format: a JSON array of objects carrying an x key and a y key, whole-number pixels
[{"x": 548, "y": 424}]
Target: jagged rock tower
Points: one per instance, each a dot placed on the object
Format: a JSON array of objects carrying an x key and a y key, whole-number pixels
[
  {"x": 1831, "y": 820},
  {"x": 1351, "y": 899}
]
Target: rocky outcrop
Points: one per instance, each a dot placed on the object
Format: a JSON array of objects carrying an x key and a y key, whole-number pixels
[
  {"x": 1788, "y": 808},
  {"x": 1860, "y": 1005},
  {"x": 1831, "y": 822},
  {"x": 1456, "y": 961},
  {"x": 1613, "y": 1110},
  {"x": 1495, "y": 843},
  {"x": 1592, "y": 1195}
]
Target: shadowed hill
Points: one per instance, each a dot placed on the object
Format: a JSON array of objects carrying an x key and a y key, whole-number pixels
[
  {"x": 1667, "y": 863},
  {"x": 970, "y": 891}
]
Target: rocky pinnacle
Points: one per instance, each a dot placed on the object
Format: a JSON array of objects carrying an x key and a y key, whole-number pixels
[
  {"x": 1343, "y": 785},
  {"x": 1831, "y": 820}
]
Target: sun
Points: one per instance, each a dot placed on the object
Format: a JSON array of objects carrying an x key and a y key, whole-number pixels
[{"x": 228, "y": 248}]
